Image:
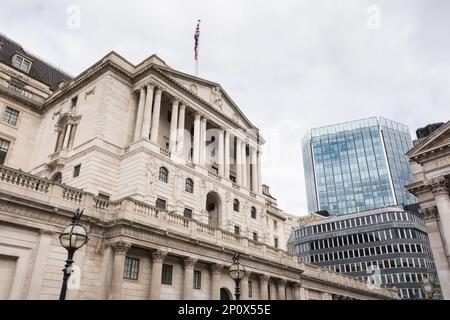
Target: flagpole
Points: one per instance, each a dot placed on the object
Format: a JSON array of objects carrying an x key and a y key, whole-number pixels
[{"x": 198, "y": 50}]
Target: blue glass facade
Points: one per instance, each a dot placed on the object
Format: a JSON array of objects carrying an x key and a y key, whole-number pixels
[{"x": 357, "y": 166}]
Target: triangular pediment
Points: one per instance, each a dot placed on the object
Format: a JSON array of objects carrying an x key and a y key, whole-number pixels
[
  {"x": 211, "y": 92},
  {"x": 437, "y": 140}
]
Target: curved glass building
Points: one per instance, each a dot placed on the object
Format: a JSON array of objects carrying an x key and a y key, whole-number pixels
[{"x": 385, "y": 247}]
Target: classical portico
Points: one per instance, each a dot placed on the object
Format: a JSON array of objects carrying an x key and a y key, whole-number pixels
[{"x": 430, "y": 163}]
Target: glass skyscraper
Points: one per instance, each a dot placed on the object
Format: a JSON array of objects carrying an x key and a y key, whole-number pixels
[{"x": 357, "y": 166}]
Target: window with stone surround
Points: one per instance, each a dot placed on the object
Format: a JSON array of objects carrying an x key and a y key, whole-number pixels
[
  {"x": 237, "y": 230},
  {"x": 10, "y": 116},
  {"x": 275, "y": 242},
  {"x": 250, "y": 288},
  {"x": 189, "y": 186},
  {"x": 76, "y": 170},
  {"x": 4, "y": 146},
  {"x": 253, "y": 212},
  {"x": 163, "y": 174},
  {"x": 187, "y": 213},
  {"x": 236, "y": 205},
  {"x": 166, "y": 275},
  {"x": 131, "y": 269},
  {"x": 197, "y": 279},
  {"x": 21, "y": 63},
  {"x": 255, "y": 236},
  {"x": 161, "y": 203}
]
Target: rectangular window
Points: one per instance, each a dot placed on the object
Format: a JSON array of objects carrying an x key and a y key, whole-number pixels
[
  {"x": 131, "y": 269},
  {"x": 275, "y": 242},
  {"x": 275, "y": 225},
  {"x": 166, "y": 275},
  {"x": 76, "y": 170},
  {"x": 73, "y": 102},
  {"x": 4, "y": 146},
  {"x": 255, "y": 236},
  {"x": 10, "y": 116},
  {"x": 250, "y": 289},
  {"x": 197, "y": 279},
  {"x": 161, "y": 203},
  {"x": 237, "y": 230},
  {"x": 187, "y": 213},
  {"x": 22, "y": 63}
]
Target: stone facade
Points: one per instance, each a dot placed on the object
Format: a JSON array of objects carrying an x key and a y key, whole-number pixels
[
  {"x": 168, "y": 172},
  {"x": 430, "y": 163}
]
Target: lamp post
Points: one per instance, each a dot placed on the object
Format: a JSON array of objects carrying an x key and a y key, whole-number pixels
[
  {"x": 237, "y": 273},
  {"x": 72, "y": 237}
]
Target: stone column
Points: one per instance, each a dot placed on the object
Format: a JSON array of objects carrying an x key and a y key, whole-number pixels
[
  {"x": 147, "y": 112},
  {"x": 40, "y": 262},
  {"x": 181, "y": 120},
  {"x": 173, "y": 126},
  {"x": 244, "y": 286},
  {"x": 66, "y": 137},
  {"x": 297, "y": 291},
  {"x": 188, "y": 286},
  {"x": 264, "y": 287},
  {"x": 238, "y": 161},
  {"x": 259, "y": 172},
  {"x": 156, "y": 116},
  {"x": 140, "y": 113},
  {"x": 254, "y": 164},
  {"x": 203, "y": 142},
  {"x": 227, "y": 156},
  {"x": 120, "y": 249},
  {"x": 220, "y": 152},
  {"x": 281, "y": 285},
  {"x": 216, "y": 271},
  {"x": 440, "y": 188},
  {"x": 196, "y": 151},
  {"x": 155, "y": 284},
  {"x": 244, "y": 164}
]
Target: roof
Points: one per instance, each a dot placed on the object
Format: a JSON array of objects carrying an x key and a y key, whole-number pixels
[{"x": 41, "y": 70}]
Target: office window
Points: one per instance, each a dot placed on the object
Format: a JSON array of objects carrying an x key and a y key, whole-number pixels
[
  {"x": 160, "y": 203},
  {"x": 4, "y": 146},
  {"x": 197, "y": 279},
  {"x": 163, "y": 174},
  {"x": 236, "y": 205},
  {"x": 10, "y": 116},
  {"x": 76, "y": 170},
  {"x": 21, "y": 63},
  {"x": 187, "y": 213},
  {"x": 189, "y": 186},
  {"x": 166, "y": 275},
  {"x": 237, "y": 230},
  {"x": 131, "y": 269},
  {"x": 253, "y": 212},
  {"x": 255, "y": 236},
  {"x": 250, "y": 289}
]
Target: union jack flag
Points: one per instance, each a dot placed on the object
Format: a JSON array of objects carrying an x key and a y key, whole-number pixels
[{"x": 196, "y": 36}]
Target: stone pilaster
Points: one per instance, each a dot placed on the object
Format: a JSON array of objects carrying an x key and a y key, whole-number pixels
[
  {"x": 216, "y": 271},
  {"x": 244, "y": 286},
  {"x": 155, "y": 284},
  {"x": 189, "y": 264},
  {"x": 264, "y": 287},
  {"x": 281, "y": 285},
  {"x": 120, "y": 250}
]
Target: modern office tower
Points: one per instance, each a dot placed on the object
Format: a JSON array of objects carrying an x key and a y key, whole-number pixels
[
  {"x": 357, "y": 166},
  {"x": 388, "y": 247}
]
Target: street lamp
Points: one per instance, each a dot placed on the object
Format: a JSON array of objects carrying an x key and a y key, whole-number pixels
[
  {"x": 73, "y": 237},
  {"x": 237, "y": 273}
]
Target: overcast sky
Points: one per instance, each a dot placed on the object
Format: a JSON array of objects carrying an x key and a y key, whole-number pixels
[{"x": 289, "y": 65}]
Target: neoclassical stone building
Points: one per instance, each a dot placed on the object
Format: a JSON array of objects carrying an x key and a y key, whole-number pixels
[
  {"x": 168, "y": 171},
  {"x": 430, "y": 163}
]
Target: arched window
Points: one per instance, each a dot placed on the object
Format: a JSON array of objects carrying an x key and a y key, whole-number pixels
[
  {"x": 253, "y": 212},
  {"x": 189, "y": 185},
  {"x": 163, "y": 174},
  {"x": 57, "y": 177},
  {"x": 236, "y": 205}
]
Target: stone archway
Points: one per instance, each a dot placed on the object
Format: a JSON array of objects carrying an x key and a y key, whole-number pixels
[
  {"x": 214, "y": 208},
  {"x": 225, "y": 294}
]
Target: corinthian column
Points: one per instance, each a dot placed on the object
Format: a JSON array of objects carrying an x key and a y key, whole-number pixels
[
  {"x": 440, "y": 187},
  {"x": 156, "y": 116},
  {"x": 147, "y": 112},
  {"x": 155, "y": 284},
  {"x": 189, "y": 264},
  {"x": 264, "y": 287},
  {"x": 258, "y": 169},
  {"x": 173, "y": 126},
  {"x": 196, "y": 151},
  {"x": 227, "y": 156},
  {"x": 181, "y": 117},
  {"x": 203, "y": 142},
  {"x": 120, "y": 249},
  {"x": 140, "y": 113},
  {"x": 220, "y": 159},
  {"x": 244, "y": 164},
  {"x": 281, "y": 289},
  {"x": 238, "y": 161},
  {"x": 254, "y": 164}
]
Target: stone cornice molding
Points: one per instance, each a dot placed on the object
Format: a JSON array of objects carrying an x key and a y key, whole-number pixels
[{"x": 121, "y": 247}]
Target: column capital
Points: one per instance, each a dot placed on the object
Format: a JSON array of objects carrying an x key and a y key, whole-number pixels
[
  {"x": 216, "y": 268},
  {"x": 175, "y": 101},
  {"x": 198, "y": 115},
  {"x": 150, "y": 84},
  {"x": 182, "y": 105},
  {"x": 158, "y": 91},
  {"x": 121, "y": 247},
  {"x": 247, "y": 274},
  {"x": 203, "y": 118},
  {"x": 189, "y": 263},
  {"x": 264, "y": 278},
  {"x": 429, "y": 213},
  {"x": 438, "y": 185},
  {"x": 282, "y": 282},
  {"x": 159, "y": 255},
  {"x": 297, "y": 285},
  {"x": 46, "y": 232}
]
